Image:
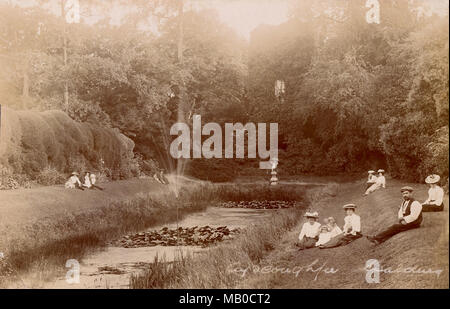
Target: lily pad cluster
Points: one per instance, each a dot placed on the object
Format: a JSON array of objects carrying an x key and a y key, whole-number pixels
[
  {"x": 258, "y": 204},
  {"x": 190, "y": 236}
]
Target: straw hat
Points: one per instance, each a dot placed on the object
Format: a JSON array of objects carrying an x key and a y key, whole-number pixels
[
  {"x": 349, "y": 206},
  {"x": 311, "y": 214},
  {"x": 433, "y": 179}
]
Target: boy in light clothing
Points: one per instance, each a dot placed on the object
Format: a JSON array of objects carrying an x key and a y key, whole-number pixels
[{"x": 324, "y": 236}]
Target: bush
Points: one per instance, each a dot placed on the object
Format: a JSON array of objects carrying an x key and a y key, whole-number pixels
[
  {"x": 9, "y": 180},
  {"x": 50, "y": 176}
]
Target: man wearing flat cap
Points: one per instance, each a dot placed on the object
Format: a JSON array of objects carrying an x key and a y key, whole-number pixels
[
  {"x": 435, "y": 201},
  {"x": 409, "y": 217}
]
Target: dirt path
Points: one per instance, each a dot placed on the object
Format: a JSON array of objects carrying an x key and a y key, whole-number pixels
[{"x": 344, "y": 267}]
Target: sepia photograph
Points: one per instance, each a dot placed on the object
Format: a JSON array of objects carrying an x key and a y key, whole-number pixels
[{"x": 224, "y": 151}]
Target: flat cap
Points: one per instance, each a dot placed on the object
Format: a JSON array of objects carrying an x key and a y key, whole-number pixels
[{"x": 407, "y": 188}]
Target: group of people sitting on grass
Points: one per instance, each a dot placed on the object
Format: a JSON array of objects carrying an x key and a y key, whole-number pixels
[
  {"x": 375, "y": 182},
  {"x": 89, "y": 182},
  {"x": 329, "y": 235}
]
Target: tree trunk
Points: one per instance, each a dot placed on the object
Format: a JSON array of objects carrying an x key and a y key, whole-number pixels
[{"x": 66, "y": 87}]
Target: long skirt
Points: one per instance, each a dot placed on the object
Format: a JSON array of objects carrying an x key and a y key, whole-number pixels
[
  {"x": 432, "y": 207},
  {"x": 307, "y": 242},
  {"x": 340, "y": 240},
  {"x": 373, "y": 188},
  {"x": 369, "y": 184}
]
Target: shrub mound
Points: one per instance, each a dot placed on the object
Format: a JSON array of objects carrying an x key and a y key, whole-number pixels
[{"x": 32, "y": 142}]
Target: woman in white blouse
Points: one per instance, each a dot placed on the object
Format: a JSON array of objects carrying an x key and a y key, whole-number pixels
[
  {"x": 371, "y": 179},
  {"x": 379, "y": 183},
  {"x": 435, "y": 200},
  {"x": 310, "y": 231},
  {"x": 74, "y": 182}
]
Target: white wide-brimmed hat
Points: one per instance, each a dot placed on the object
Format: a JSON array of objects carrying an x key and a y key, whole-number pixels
[
  {"x": 433, "y": 179},
  {"x": 75, "y": 173},
  {"x": 380, "y": 171},
  {"x": 371, "y": 172},
  {"x": 311, "y": 214}
]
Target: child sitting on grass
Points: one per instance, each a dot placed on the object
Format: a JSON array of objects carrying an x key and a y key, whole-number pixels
[
  {"x": 324, "y": 236},
  {"x": 335, "y": 230}
]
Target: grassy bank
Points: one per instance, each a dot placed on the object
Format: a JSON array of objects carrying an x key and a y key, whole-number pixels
[
  {"x": 44, "y": 246},
  {"x": 425, "y": 248},
  {"x": 214, "y": 269}
]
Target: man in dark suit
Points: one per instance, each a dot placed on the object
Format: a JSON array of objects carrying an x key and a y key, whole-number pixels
[{"x": 409, "y": 217}]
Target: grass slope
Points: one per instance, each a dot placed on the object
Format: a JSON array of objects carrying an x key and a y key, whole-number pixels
[{"x": 425, "y": 248}]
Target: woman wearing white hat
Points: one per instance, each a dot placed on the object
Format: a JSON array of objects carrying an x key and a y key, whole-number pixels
[
  {"x": 435, "y": 201},
  {"x": 309, "y": 234},
  {"x": 73, "y": 182},
  {"x": 379, "y": 183},
  {"x": 371, "y": 179}
]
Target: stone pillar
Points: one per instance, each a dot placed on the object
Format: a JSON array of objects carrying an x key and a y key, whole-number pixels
[{"x": 274, "y": 178}]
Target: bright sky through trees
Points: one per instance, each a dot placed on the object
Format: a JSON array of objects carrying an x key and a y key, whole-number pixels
[{"x": 241, "y": 15}]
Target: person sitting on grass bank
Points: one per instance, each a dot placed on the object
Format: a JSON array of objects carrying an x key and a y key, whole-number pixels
[
  {"x": 163, "y": 177},
  {"x": 310, "y": 231},
  {"x": 379, "y": 183},
  {"x": 352, "y": 229},
  {"x": 87, "y": 181},
  {"x": 324, "y": 236},
  {"x": 335, "y": 230},
  {"x": 435, "y": 201},
  {"x": 409, "y": 217},
  {"x": 73, "y": 182},
  {"x": 159, "y": 177},
  {"x": 372, "y": 179},
  {"x": 93, "y": 180}
]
